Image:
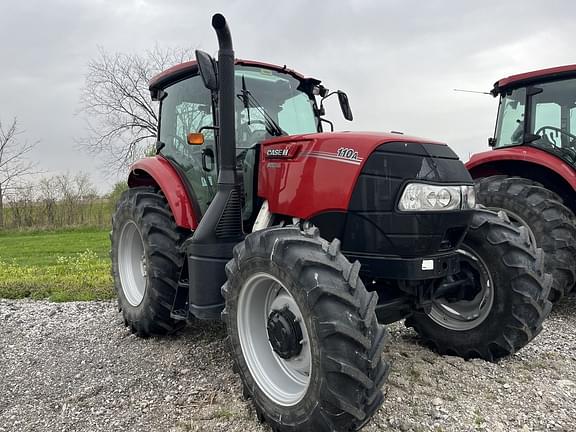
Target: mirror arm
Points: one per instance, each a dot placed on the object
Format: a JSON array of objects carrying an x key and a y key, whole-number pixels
[
  {"x": 214, "y": 128},
  {"x": 329, "y": 122},
  {"x": 326, "y": 97}
]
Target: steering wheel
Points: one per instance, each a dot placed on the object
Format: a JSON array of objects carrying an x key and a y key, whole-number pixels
[{"x": 558, "y": 130}]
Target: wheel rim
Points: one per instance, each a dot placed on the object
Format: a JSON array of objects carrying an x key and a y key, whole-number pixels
[
  {"x": 132, "y": 263},
  {"x": 466, "y": 313},
  {"x": 284, "y": 380}
]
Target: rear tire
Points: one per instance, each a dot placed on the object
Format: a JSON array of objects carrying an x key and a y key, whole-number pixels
[
  {"x": 146, "y": 261},
  {"x": 552, "y": 224},
  {"x": 340, "y": 383},
  {"x": 518, "y": 289}
]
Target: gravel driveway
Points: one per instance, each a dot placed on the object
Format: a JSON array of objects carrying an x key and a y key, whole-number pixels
[{"x": 74, "y": 367}]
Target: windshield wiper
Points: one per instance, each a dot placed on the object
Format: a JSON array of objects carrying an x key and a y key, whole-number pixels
[
  {"x": 249, "y": 101},
  {"x": 244, "y": 98}
]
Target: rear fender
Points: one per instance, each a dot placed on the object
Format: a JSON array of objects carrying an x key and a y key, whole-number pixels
[
  {"x": 531, "y": 163},
  {"x": 488, "y": 161},
  {"x": 158, "y": 172}
]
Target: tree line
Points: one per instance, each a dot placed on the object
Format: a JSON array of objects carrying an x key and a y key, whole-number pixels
[{"x": 59, "y": 201}]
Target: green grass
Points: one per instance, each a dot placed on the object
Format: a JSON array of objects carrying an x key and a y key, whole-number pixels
[{"x": 59, "y": 265}]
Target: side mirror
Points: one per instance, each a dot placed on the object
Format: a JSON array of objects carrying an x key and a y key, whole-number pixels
[
  {"x": 492, "y": 142},
  {"x": 345, "y": 105},
  {"x": 207, "y": 68}
]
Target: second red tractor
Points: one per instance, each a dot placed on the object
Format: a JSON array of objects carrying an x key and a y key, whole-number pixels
[{"x": 531, "y": 171}]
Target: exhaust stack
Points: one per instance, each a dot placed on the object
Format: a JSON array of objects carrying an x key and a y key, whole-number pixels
[
  {"x": 227, "y": 143},
  {"x": 220, "y": 228}
]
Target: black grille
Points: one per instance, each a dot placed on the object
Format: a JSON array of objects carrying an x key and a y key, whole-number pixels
[
  {"x": 230, "y": 223},
  {"x": 373, "y": 225},
  {"x": 391, "y": 164}
]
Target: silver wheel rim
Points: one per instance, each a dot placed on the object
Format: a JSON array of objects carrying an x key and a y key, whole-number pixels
[
  {"x": 285, "y": 382},
  {"x": 466, "y": 314},
  {"x": 132, "y": 263}
]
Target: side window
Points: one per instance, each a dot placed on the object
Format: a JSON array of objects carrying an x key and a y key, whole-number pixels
[
  {"x": 573, "y": 121},
  {"x": 190, "y": 117},
  {"x": 186, "y": 108},
  {"x": 296, "y": 115},
  {"x": 548, "y": 114}
]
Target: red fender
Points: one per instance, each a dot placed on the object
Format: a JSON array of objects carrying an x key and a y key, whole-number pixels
[
  {"x": 479, "y": 164},
  {"x": 157, "y": 171}
]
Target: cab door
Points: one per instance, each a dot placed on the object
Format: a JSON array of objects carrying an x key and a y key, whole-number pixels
[{"x": 187, "y": 107}]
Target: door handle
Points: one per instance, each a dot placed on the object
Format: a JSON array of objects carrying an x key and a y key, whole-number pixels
[{"x": 207, "y": 154}]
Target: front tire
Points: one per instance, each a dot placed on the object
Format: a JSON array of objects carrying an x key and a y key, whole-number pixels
[
  {"x": 146, "y": 261},
  {"x": 552, "y": 224},
  {"x": 505, "y": 281},
  {"x": 303, "y": 332}
]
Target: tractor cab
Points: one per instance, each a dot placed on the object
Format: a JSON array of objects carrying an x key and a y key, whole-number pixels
[
  {"x": 270, "y": 101},
  {"x": 538, "y": 109}
]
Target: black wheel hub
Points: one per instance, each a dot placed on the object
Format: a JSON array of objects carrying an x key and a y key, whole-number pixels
[
  {"x": 284, "y": 333},
  {"x": 464, "y": 285}
]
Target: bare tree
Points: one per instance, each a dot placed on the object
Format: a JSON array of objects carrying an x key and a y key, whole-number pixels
[
  {"x": 121, "y": 118},
  {"x": 13, "y": 162}
]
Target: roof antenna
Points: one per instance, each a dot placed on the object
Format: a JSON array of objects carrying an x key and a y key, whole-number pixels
[{"x": 472, "y": 91}]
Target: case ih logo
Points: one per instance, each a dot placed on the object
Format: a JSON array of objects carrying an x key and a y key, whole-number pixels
[{"x": 277, "y": 152}]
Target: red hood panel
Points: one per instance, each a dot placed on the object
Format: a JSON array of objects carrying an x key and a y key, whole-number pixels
[{"x": 296, "y": 170}]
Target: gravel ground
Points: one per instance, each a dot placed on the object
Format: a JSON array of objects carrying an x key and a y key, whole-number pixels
[{"x": 74, "y": 367}]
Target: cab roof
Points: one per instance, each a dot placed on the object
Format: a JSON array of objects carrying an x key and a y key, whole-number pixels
[
  {"x": 523, "y": 79},
  {"x": 186, "y": 69}
]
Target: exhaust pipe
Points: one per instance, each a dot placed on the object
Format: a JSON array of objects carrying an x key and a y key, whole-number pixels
[
  {"x": 220, "y": 228},
  {"x": 226, "y": 121}
]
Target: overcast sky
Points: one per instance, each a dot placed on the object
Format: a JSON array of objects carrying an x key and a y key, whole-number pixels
[{"x": 397, "y": 60}]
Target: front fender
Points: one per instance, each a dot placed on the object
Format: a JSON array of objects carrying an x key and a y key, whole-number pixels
[{"x": 159, "y": 172}]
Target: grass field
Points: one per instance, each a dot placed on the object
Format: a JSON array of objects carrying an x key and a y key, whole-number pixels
[{"x": 60, "y": 265}]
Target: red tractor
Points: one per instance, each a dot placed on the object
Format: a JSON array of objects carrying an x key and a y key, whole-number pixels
[
  {"x": 306, "y": 242},
  {"x": 531, "y": 173}
]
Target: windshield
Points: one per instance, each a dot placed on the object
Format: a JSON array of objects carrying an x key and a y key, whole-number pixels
[
  {"x": 274, "y": 97},
  {"x": 510, "y": 124}
]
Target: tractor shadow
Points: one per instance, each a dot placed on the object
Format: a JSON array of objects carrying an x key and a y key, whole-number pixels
[{"x": 200, "y": 330}]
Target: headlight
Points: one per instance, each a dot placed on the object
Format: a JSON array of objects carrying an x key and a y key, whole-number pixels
[{"x": 427, "y": 197}]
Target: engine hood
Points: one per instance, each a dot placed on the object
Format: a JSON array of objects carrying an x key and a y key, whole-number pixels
[
  {"x": 349, "y": 183},
  {"x": 296, "y": 170},
  {"x": 365, "y": 140}
]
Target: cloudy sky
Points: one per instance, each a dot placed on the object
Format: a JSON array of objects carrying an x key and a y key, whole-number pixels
[{"x": 399, "y": 61}]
